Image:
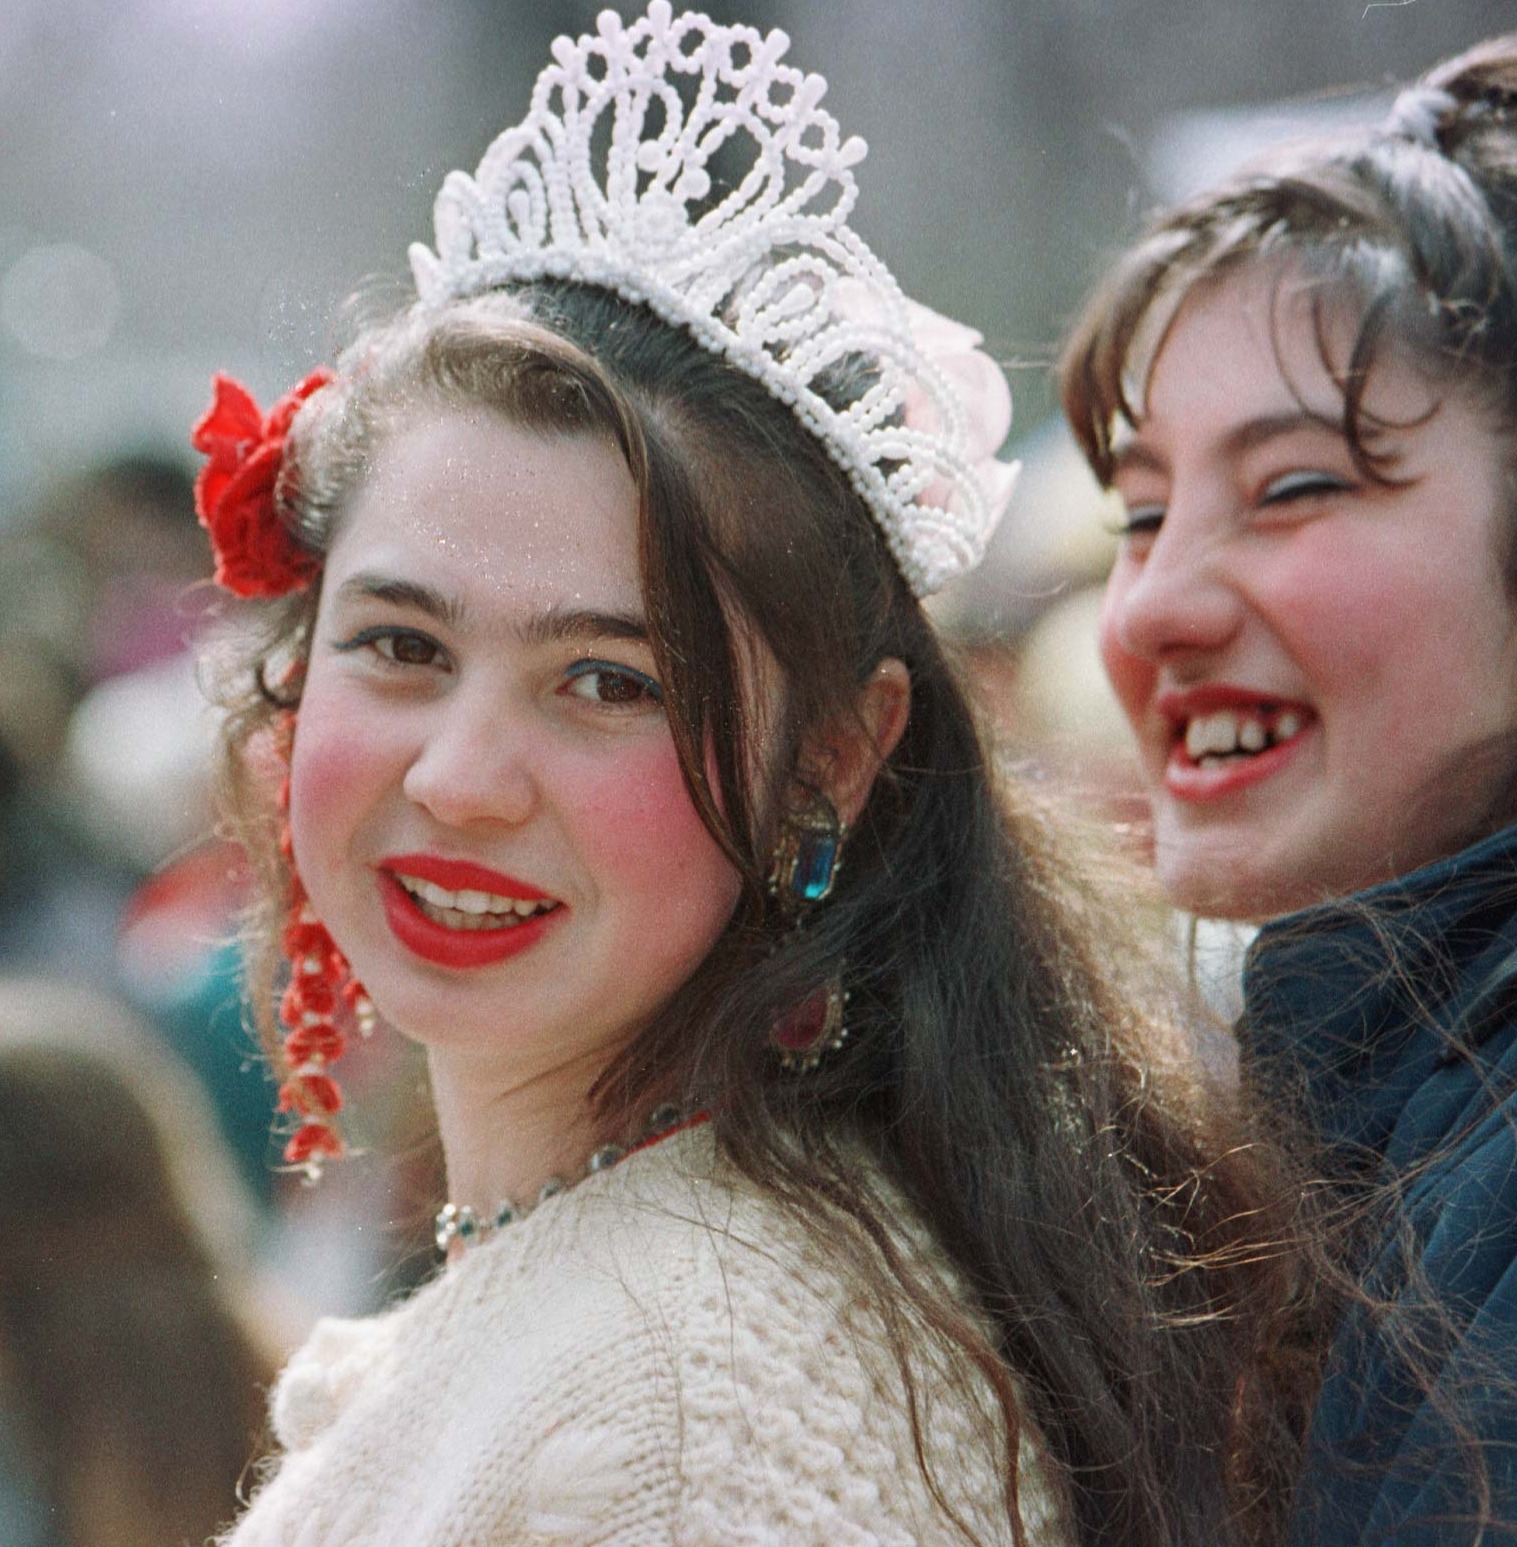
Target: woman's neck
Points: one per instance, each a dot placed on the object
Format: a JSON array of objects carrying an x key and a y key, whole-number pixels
[{"x": 503, "y": 1137}]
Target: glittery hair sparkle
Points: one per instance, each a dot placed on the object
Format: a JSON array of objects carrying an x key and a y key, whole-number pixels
[{"x": 768, "y": 275}]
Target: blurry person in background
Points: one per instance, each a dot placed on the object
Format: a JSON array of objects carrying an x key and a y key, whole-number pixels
[
  {"x": 60, "y": 897},
  {"x": 108, "y": 872},
  {"x": 133, "y": 1363},
  {"x": 97, "y": 582},
  {"x": 1304, "y": 387},
  {"x": 127, "y": 526},
  {"x": 117, "y": 592}
]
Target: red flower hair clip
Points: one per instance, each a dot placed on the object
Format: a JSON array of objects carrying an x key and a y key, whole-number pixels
[{"x": 256, "y": 554}]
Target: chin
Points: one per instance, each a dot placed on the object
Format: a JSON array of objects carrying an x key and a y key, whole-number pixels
[
  {"x": 1209, "y": 901},
  {"x": 1218, "y": 886}
]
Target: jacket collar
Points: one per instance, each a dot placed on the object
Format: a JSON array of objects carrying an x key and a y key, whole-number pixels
[{"x": 1352, "y": 1003}]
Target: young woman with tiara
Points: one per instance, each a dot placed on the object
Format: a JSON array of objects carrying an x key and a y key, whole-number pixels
[
  {"x": 808, "y": 1184},
  {"x": 1304, "y": 385}
]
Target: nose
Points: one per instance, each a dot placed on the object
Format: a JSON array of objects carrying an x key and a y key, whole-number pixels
[
  {"x": 1171, "y": 594},
  {"x": 475, "y": 764}
]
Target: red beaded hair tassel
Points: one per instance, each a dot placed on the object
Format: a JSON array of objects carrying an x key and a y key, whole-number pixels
[{"x": 320, "y": 979}]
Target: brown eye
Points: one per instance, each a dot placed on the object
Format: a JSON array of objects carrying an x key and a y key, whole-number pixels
[
  {"x": 411, "y": 650},
  {"x": 603, "y": 683},
  {"x": 395, "y": 646}
]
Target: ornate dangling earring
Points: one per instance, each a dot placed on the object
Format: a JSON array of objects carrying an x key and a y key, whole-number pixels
[
  {"x": 807, "y": 858},
  {"x": 806, "y": 862},
  {"x": 320, "y": 979},
  {"x": 813, "y": 1029}
]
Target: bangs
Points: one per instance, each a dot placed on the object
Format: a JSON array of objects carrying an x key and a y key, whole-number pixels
[{"x": 1422, "y": 284}]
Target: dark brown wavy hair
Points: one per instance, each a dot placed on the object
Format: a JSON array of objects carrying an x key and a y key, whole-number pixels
[{"x": 1125, "y": 1262}]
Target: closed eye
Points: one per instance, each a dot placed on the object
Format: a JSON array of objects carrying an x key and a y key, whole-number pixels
[
  {"x": 1301, "y": 485},
  {"x": 1139, "y": 521},
  {"x": 395, "y": 646},
  {"x": 604, "y": 682}
]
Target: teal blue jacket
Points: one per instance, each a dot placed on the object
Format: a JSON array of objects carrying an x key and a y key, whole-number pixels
[{"x": 1389, "y": 1020}]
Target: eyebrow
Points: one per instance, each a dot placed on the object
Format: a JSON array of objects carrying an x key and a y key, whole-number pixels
[
  {"x": 430, "y": 602},
  {"x": 1243, "y": 437},
  {"x": 557, "y": 625},
  {"x": 552, "y": 625}
]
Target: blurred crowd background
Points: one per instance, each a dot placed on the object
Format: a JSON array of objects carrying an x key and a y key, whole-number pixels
[{"x": 187, "y": 185}]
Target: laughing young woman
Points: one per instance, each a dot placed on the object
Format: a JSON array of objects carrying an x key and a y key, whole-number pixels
[
  {"x": 1304, "y": 385},
  {"x": 807, "y": 1183}
]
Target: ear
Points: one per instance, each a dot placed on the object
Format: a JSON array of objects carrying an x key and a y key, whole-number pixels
[{"x": 848, "y": 754}]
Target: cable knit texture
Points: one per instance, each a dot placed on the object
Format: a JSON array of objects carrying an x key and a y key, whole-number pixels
[{"x": 662, "y": 1355}]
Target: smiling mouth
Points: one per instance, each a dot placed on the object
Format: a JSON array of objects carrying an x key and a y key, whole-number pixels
[
  {"x": 472, "y": 910},
  {"x": 1225, "y": 737}
]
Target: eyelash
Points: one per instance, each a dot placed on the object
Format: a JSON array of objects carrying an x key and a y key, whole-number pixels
[
  {"x": 377, "y": 638},
  {"x": 1145, "y": 520},
  {"x": 374, "y": 638},
  {"x": 1142, "y": 521},
  {"x": 584, "y": 671},
  {"x": 1299, "y": 485}
]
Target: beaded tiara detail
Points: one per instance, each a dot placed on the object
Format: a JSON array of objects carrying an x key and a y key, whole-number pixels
[{"x": 608, "y": 181}]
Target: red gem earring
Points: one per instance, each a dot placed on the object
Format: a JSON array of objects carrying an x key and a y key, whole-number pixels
[
  {"x": 320, "y": 980},
  {"x": 812, "y": 1030}
]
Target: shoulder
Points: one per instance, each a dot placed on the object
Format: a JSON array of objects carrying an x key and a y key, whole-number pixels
[
  {"x": 790, "y": 1373},
  {"x": 665, "y": 1355},
  {"x": 323, "y": 1374}
]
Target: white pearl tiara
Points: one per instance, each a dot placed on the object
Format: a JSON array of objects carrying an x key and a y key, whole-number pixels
[{"x": 769, "y": 275}]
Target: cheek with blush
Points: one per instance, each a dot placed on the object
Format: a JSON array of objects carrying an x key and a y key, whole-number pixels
[
  {"x": 1131, "y": 677},
  {"x": 653, "y": 855},
  {"x": 337, "y": 771}
]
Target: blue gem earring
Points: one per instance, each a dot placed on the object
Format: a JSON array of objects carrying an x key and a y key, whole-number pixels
[{"x": 807, "y": 859}]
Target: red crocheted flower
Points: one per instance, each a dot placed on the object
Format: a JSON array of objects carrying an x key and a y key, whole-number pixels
[
  {"x": 310, "y": 1093},
  {"x": 256, "y": 555},
  {"x": 319, "y": 1041},
  {"x": 310, "y": 1144}
]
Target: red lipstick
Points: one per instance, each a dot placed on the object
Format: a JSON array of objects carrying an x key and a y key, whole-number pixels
[
  {"x": 1188, "y": 781},
  {"x": 1179, "y": 705},
  {"x": 458, "y": 948}
]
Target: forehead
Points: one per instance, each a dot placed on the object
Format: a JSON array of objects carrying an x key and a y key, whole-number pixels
[
  {"x": 470, "y": 499},
  {"x": 1269, "y": 338}
]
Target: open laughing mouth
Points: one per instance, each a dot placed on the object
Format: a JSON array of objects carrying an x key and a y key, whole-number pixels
[
  {"x": 1218, "y": 747},
  {"x": 1227, "y": 735}
]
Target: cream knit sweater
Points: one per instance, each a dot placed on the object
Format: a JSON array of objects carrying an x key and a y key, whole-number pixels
[{"x": 660, "y": 1355}]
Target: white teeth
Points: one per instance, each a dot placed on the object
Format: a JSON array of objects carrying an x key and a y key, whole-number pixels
[
  {"x": 470, "y": 909},
  {"x": 1217, "y": 732},
  {"x": 1212, "y": 738},
  {"x": 455, "y": 919}
]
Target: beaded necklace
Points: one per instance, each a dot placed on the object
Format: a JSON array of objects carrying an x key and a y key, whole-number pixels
[{"x": 463, "y": 1223}]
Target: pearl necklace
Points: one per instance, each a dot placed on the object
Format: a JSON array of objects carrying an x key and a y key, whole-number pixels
[{"x": 463, "y": 1223}]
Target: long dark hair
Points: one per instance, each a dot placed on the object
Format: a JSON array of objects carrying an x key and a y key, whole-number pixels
[{"x": 1124, "y": 1270}]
